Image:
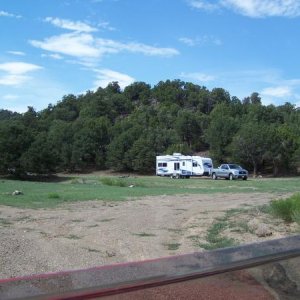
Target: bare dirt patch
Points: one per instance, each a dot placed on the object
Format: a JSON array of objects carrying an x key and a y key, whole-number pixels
[{"x": 93, "y": 233}]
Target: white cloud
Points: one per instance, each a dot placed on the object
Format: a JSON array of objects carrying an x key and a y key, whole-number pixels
[
  {"x": 15, "y": 73},
  {"x": 54, "y": 56},
  {"x": 73, "y": 44},
  {"x": 278, "y": 92},
  {"x": 18, "y": 67},
  {"x": 105, "y": 76},
  {"x": 7, "y": 14},
  {"x": 201, "y": 41},
  {"x": 264, "y": 8},
  {"x": 201, "y": 77},
  {"x": 253, "y": 8},
  {"x": 70, "y": 25},
  {"x": 105, "y": 25},
  {"x": 86, "y": 48},
  {"x": 18, "y": 53},
  {"x": 205, "y": 5},
  {"x": 10, "y": 97}
]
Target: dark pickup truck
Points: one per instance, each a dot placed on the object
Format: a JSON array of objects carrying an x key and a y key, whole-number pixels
[{"x": 229, "y": 171}]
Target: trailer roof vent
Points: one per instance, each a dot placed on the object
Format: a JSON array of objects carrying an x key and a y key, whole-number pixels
[{"x": 176, "y": 154}]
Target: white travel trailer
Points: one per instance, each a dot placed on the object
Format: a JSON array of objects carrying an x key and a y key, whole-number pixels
[{"x": 183, "y": 166}]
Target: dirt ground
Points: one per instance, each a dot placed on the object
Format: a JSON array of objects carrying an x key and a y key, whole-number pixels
[{"x": 94, "y": 233}]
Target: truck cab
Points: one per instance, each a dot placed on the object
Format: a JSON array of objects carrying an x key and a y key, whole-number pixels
[{"x": 229, "y": 171}]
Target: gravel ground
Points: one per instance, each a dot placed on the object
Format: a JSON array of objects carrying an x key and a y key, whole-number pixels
[{"x": 94, "y": 233}]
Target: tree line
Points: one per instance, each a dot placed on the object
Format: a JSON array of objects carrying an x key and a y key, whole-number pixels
[{"x": 124, "y": 130}]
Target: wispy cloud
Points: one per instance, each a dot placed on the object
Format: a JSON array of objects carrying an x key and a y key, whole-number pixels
[
  {"x": 78, "y": 45},
  {"x": 252, "y": 8},
  {"x": 201, "y": 41},
  {"x": 54, "y": 56},
  {"x": 10, "y": 15},
  {"x": 106, "y": 26},
  {"x": 201, "y": 77},
  {"x": 10, "y": 97},
  {"x": 18, "y": 53},
  {"x": 278, "y": 91},
  {"x": 15, "y": 73},
  {"x": 105, "y": 76},
  {"x": 88, "y": 49},
  {"x": 264, "y": 8},
  {"x": 70, "y": 25},
  {"x": 205, "y": 5}
]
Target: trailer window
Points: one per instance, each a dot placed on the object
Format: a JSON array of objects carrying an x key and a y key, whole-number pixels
[
  {"x": 183, "y": 163},
  {"x": 194, "y": 164},
  {"x": 176, "y": 166},
  {"x": 162, "y": 164}
]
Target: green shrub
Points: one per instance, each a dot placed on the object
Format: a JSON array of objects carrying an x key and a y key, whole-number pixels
[
  {"x": 287, "y": 209},
  {"x": 114, "y": 181},
  {"x": 53, "y": 196}
]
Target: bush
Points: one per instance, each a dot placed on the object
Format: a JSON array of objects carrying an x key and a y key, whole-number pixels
[
  {"x": 114, "y": 181},
  {"x": 287, "y": 209},
  {"x": 53, "y": 196}
]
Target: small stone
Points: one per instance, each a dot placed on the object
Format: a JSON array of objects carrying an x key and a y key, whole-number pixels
[
  {"x": 263, "y": 230},
  {"x": 110, "y": 253},
  {"x": 253, "y": 224},
  {"x": 16, "y": 192}
]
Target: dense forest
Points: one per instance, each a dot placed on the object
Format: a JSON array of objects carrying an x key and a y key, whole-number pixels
[{"x": 124, "y": 130}]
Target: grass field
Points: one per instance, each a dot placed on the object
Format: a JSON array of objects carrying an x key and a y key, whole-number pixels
[{"x": 50, "y": 194}]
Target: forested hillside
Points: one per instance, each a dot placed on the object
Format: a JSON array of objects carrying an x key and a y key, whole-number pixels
[{"x": 125, "y": 130}]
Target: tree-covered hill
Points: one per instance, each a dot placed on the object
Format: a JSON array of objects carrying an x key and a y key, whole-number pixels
[{"x": 125, "y": 130}]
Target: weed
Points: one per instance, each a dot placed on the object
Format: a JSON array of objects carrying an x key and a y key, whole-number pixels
[
  {"x": 144, "y": 234},
  {"x": 53, "y": 196},
  {"x": 107, "y": 220},
  {"x": 175, "y": 230},
  {"x": 214, "y": 239},
  {"x": 73, "y": 237},
  {"x": 91, "y": 226},
  {"x": 77, "y": 220},
  {"x": 173, "y": 246},
  {"x": 265, "y": 209},
  {"x": 223, "y": 242},
  {"x": 5, "y": 222},
  {"x": 92, "y": 250},
  {"x": 114, "y": 181},
  {"x": 24, "y": 218},
  {"x": 287, "y": 209}
]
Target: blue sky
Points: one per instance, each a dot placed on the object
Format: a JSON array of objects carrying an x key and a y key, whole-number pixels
[{"x": 50, "y": 48}]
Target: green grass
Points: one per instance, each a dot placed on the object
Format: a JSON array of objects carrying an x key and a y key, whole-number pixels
[
  {"x": 287, "y": 209},
  {"x": 214, "y": 238},
  {"x": 41, "y": 195},
  {"x": 53, "y": 196}
]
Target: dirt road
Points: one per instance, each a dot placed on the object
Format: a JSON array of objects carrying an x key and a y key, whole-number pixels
[{"x": 93, "y": 233}]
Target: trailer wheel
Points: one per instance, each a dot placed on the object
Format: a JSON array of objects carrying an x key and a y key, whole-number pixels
[
  {"x": 177, "y": 176},
  {"x": 214, "y": 176}
]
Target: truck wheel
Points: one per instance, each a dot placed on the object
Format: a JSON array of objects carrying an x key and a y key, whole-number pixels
[
  {"x": 214, "y": 176},
  {"x": 245, "y": 178},
  {"x": 230, "y": 177}
]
